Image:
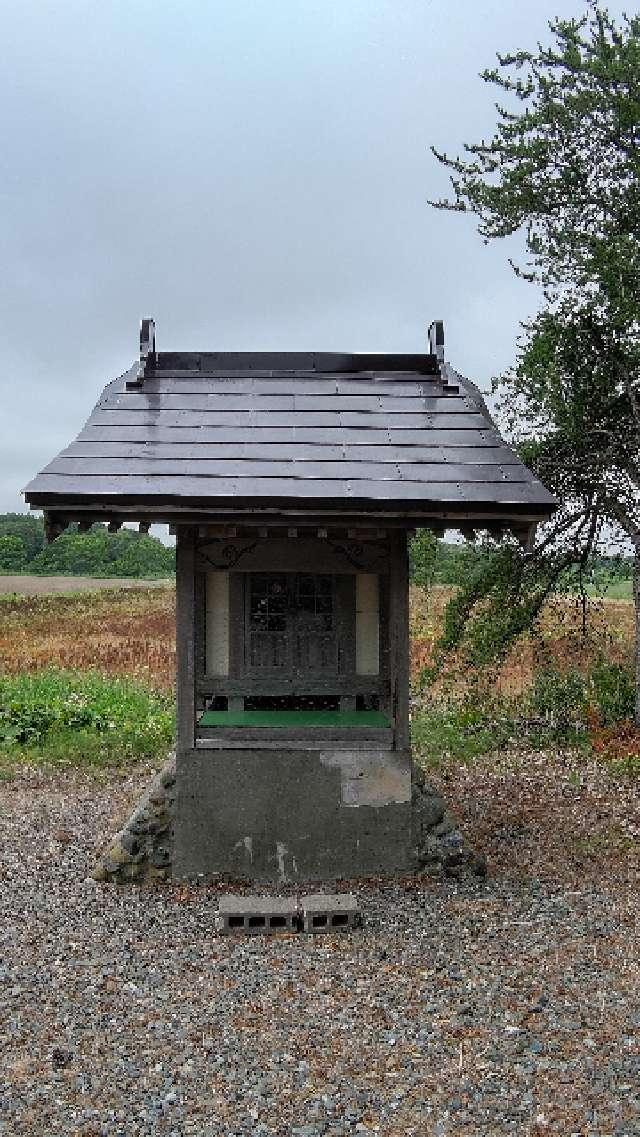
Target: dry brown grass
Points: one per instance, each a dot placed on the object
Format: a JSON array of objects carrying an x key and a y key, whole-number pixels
[
  {"x": 568, "y": 637},
  {"x": 115, "y": 632},
  {"x": 132, "y": 632}
]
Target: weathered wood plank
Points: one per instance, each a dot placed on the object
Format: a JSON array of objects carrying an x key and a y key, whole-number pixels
[
  {"x": 257, "y": 400},
  {"x": 285, "y": 489},
  {"x": 243, "y": 432},
  {"x": 298, "y": 685},
  {"x": 291, "y": 448},
  {"x": 185, "y": 638},
  {"x": 391, "y": 420},
  {"x": 399, "y": 638},
  {"x": 167, "y": 383},
  {"x": 236, "y": 627},
  {"x": 345, "y": 616},
  {"x": 257, "y": 470},
  {"x": 226, "y": 362},
  {"x": 305, "y": 554}
]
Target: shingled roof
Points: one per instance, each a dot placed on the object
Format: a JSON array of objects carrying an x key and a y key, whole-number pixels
[{"x": 207, "y": 431}]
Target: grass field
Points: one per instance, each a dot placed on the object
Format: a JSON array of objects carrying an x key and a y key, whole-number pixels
[
  {"x": 616, "y": 590},
  {"x": 132, "y": 632},
  {"x": 113, "y": 631},
  {"x": 569, "y": 637},
  {"x": 553, "y": 679}
]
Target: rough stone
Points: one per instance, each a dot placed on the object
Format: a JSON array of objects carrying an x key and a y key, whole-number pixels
[
  {"x": 141, "y": 851},
  {"x": 438, "y": 843}
]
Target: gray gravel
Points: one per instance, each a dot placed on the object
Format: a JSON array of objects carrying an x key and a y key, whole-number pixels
[{"x": 503, "y": 1006}]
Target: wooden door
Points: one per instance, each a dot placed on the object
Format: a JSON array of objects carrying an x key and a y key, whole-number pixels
[{"x": 290, "y": 625}]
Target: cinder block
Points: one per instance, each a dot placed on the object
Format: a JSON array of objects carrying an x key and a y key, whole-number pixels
[
  {"x": 329, "y": 912},
  {"x": 257, "y": 915}
]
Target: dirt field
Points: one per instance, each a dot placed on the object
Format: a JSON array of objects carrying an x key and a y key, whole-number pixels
[{"x": 40, "y": 585}]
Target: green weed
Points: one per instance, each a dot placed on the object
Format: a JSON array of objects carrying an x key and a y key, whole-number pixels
[
  {"x": 461, "y": 732},
  {"x": 68, "y": 718}
]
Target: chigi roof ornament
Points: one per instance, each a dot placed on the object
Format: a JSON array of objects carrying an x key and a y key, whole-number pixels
[
  {"x": 147, "y": 353},
  {"x": 436, "y": 340}
]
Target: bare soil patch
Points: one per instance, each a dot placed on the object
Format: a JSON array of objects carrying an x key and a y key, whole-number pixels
[{"x": 39, "y": 585}]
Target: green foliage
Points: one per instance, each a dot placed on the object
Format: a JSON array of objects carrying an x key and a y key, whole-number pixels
[
  {"x": 13, "y": 554},
  {"x": 573, "y": 389},
  {"x": 144, "y": 556},
  {"x": 612, "y": 692},
  {"x": 67, "y": 718},
  {"x": 460, "y": 731},
  {"x": 434, "y": 561},
  {"x": 96, "y": 553},
  {"x": 423, "y": 552},
  {"x": 501, "y": 598},
  {"x": 560, "y": 699},
  {"x": 563, "y": 169},
  {"x": 563, "y": 165},
  {"x": 559, "y": 710},
  {"x": 603, "y": 576},
  {"x": 28, "y": 528},
  {"x": 81, "y": 553}
]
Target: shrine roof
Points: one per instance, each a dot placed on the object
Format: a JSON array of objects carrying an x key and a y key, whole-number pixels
[{"x": 316, "y": 430}]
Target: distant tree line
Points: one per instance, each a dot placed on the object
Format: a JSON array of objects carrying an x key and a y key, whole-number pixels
[
  {"x": 128, "y": 553},
  {"x": 435, "y": 561},
  {"x": 94, "y": 553}
]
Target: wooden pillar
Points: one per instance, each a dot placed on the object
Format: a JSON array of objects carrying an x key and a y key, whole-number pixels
[
  {"x": 399, "y": 637},
  {"x": 185, "y": 637}
]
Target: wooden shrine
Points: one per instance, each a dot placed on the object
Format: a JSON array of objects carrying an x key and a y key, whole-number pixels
[{"x": 292, "y": 482}]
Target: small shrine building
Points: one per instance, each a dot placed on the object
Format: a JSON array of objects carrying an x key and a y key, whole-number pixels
[{"x": 292, "y": 481}]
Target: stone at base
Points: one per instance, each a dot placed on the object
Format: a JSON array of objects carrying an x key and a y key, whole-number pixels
[
  {"x": 439, "y": 846},
  {"x": 142, "y": 850}
]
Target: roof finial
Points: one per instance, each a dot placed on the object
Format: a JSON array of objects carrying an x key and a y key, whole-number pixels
[
  {"x": 147, "y": 345},
  {"x": 147, "y": 352},
  {"x": 436, "y": 340}
]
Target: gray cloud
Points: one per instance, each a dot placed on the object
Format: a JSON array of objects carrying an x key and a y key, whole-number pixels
[{"x": 254, "y": 175}]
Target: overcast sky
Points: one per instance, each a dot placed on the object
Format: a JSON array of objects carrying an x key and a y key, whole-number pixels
[{"x": 251, "y": 173}]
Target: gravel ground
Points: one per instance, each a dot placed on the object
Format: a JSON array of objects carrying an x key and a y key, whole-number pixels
[{"x": 509, "y": 1005}]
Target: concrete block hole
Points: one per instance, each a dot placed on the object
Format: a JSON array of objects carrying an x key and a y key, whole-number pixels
[
  {"x": 321, "y": 912},
  {"x": 337, "y": 920}
]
